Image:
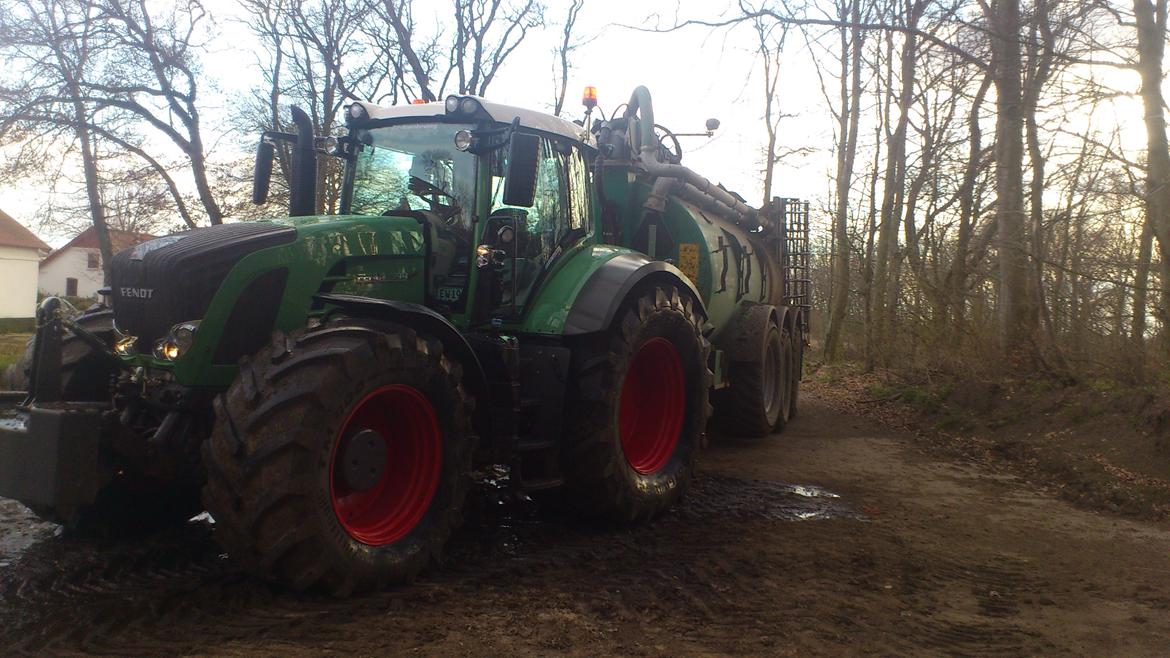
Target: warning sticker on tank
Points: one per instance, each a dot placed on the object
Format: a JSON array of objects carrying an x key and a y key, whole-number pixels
[{"x": 688, "y": 260}]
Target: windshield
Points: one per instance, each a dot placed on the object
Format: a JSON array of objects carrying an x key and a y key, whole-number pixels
[{"x": 414, "y": 166}]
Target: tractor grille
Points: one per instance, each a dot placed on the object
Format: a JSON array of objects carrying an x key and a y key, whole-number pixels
[{"x": 169, "y": 280}]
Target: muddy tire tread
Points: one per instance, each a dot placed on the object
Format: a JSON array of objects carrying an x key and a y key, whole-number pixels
[
  {"x": 256, "y": 494},
  {"x": 596, "y": 483}
]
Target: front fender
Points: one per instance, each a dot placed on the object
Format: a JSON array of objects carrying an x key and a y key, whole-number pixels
[{"x": 424, "y": 320}]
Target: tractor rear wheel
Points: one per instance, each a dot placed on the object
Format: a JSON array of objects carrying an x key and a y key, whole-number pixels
[
  {"x": 758, "y": 398},
  {"x": 638, "y": 408},
  {"x": 340, "y": 457}
]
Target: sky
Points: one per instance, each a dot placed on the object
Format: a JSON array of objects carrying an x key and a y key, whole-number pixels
[{"x": 693, "y": 75}]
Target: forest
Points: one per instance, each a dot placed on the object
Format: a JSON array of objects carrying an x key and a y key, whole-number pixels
[{"x": 999, "y": 199}]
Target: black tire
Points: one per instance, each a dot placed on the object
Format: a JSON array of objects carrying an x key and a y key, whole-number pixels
[
  {"x": 84, "y": 375},
  {"x": 601, "y": 478},
  {"x": 757, "y": 400},
  {"x": 797, "y": 372},
  {"x": 271, "y": 476},
  {"x": 131, "y": 503}
]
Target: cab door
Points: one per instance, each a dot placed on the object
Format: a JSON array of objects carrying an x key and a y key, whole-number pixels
[{"x": 527, "y": 241}]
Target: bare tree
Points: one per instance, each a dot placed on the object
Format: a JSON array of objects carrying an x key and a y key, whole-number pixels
[
  {"x": 318, "y": 58},
  {"x": 564, "y": 53},
  {"x": 486, "y": 34},
  {"x": 1150, "y": 24},
  {"x": 848, "y": 122},
  {"x": 52, "y": 48},
  {"x": 154, "y": 76}
]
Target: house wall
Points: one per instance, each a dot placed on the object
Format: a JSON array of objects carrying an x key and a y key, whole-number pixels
[
  {"x": 18, "y": 282},
  {"x": 71, "y": 263}
]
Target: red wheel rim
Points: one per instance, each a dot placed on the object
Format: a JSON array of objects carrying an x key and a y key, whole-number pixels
[
  {"x": 393, "y": 506},
  {"x": 653, "y": 400}
]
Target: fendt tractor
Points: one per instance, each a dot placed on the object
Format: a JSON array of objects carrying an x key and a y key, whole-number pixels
[{"x": 499, "y": 289}]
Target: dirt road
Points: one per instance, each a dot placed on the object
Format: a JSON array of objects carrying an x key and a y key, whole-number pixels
[{"x": 837, "y": 537}]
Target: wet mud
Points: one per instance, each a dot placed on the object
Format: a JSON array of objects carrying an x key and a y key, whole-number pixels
[{"x": 833, "y": 538}]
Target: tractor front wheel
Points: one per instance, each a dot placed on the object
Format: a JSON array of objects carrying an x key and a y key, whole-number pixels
[
  {"x": 638, "y": 408},
  {"x": 340, "y": 457}
]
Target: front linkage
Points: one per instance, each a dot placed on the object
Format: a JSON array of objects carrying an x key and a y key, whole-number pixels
[
  {"x": 88, "y": 446},
  {"x": 49, "y": 447}
]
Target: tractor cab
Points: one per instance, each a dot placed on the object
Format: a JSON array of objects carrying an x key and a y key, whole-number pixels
[{"x": 500, "y": 193}]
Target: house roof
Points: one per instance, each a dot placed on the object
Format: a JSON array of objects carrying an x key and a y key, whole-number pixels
[
  {"x": 14, "y": 234},
  {"x": 87, "y": 239}
]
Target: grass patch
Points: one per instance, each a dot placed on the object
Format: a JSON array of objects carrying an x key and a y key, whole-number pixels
[
  {"x": 12, "y": 347},
  {"x": 17, "y": 325},
  {"x": 924, "y": 399}
]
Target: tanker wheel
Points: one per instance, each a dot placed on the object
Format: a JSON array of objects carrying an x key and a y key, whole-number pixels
[
  {"x": 340, "y": 457},
  {"x": 638, "y": 408},
  {"x": 130, "y": 503},
  {"x": 797, "y": 372},
  {"x": 757, "y": 400}
]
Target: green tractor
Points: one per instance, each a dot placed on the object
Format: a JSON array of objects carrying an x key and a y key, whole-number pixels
[{"x": 499, "y": 287}]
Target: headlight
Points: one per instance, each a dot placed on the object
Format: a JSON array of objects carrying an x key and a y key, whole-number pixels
[
  {"x": 177, "y": 341},
  {"x": 451, "y": 104},
  {"x": 468, "y": 106},
  {"x": 464, "y": 139},
  {"x": 125, "y": 345}
]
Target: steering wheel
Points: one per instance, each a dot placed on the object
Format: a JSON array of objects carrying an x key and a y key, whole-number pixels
[
  {"x": 448, "y": 213},
  {"x": 661, "y": 133}
]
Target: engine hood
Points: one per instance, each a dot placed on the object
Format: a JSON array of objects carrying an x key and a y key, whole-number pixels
[
  {"x": 242, "y": 280},
  {"x": 172, "y": 279}
]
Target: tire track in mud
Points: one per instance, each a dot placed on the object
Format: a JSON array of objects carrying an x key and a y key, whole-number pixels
[
  {"x": 177, "y": 592},
  {"x": 969, "y": 607}
]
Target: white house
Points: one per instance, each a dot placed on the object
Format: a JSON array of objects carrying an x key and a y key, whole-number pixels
[
  {"x": 76, "y": 268},
  {"x": 20, "y": 251}
]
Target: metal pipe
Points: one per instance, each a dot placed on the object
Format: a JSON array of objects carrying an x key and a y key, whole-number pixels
[
  {"x": 641, "y": 105},
  {"x": 700, "y": 190}
]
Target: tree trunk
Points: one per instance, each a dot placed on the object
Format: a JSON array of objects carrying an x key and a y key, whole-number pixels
[
  {"x": 957, "y": 290},
  {"x": 1017, "y": 316},
  {"x": 1151, "y": 31},
  {"x": 1137, "y": 332},
  {"x": 884, "y": 289},
  {"x": 846, "y": 155},
  {"x": 97, "y": 210}
]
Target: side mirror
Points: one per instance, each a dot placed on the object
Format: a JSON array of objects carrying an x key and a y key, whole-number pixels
[
  {"x": 262, "y": 176},
  {"x": 520, "y": 179}
]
